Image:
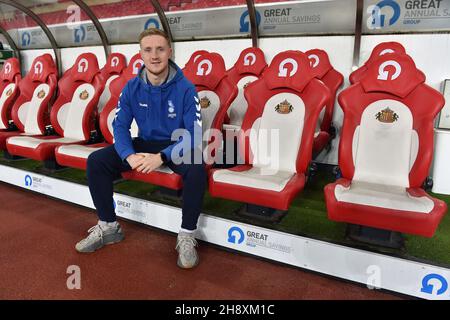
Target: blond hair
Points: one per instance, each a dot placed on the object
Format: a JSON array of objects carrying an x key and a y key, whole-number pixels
[{"x": 154, "y": 32}]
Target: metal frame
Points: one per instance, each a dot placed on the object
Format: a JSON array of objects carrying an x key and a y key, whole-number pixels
[
  {"x": 44, "y": 27},
  {"x": 162, "y": 17},
  {"x": 97, "y": 24},
  {"x": 253, "y": 22},
  {"x": 358, "y": 32},
  {"x": 11, "y": 43}
]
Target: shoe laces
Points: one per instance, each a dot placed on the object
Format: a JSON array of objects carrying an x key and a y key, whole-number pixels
[
  {"x": 186, "y": 243},
  {"x": 94, "y": 232}
]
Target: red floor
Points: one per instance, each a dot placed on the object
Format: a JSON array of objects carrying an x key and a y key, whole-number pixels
[{"x": 37, "y": 238}]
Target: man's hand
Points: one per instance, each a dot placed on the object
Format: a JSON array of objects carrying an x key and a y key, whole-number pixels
[
  {"x": 149, "y": 162},
  {"x": 134, "y": 160}
]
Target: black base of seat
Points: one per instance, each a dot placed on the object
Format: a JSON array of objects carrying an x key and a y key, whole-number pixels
[
  {"x": 170, "y": 194},
  {"x": 9, "y": 156},
  {"x": 374, "y": 236},
  {"x": 52, "y": 165},
  {"x": 261, "y": 213}
]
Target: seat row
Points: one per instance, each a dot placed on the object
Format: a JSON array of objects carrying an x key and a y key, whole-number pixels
[{"x": 385, "y": 147}]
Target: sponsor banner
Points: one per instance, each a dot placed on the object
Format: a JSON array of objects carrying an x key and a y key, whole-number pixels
[
  {"x": 30, "y": 38},
  {"x": 312, "y": 17},
  {"x": 384, "y": 16},
  {"x": 371, "y": 269},
  {"x": 296, "y": 17}
]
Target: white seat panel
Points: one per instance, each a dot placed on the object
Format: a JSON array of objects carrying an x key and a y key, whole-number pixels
[
  {"x": 79, "y": 151},
  {"x": 164, "y": 169},
  {"x": 258, "y": 178},
  {"x": 378, "y": 195},
  {"x": 33, "y": 143}
]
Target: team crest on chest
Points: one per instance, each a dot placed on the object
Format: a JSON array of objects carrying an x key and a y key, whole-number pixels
[
  {"x": 84, "y": 95},
  {"x": 284, "y": 107},
  {"x": 41, "y": 94},
  {"x": 205, "y": 102},
  {"x": 9, "y": 92},
  {"x": 386, "y": 116}
]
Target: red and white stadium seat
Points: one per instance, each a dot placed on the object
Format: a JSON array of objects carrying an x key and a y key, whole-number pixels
[
  {"x": 386, "y": 148},
  {"x": 324, "y": 71},
  {"x": 9, "y": 91},
  {"x": 76, "y": 155},
  {"x": 248, "y": 68},
  {"x": 30, "y": 112},
  {"x": 72, "y": 115},
  {"x": 112, "y": 69},
  {"x": 195, "y": 55},
  {"x": 286, "y": 101},
  {"x": 379, "y": 50}
]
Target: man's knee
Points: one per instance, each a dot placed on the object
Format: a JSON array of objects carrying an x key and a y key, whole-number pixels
[
  {"x": 93, "y": 160},
  {"x": 197, "y": 170}
]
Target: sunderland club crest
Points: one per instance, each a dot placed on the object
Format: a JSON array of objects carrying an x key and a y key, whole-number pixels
[
  {"x": 205, "y": 102},
  {"x": 9, "y": 92},
  {"x": 284, "y": 107},
  {"x": 386, "y": 116},
  {"x": 84, "y": 95},
  {"x": 41, "y": 94}
]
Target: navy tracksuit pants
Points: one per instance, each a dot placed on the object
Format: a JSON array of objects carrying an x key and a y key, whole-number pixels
[{"x": 104, "y": 166}]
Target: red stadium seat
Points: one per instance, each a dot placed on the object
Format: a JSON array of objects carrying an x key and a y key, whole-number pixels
[
  {"x": 286, "y": 101},
  {"x": 191, "y": 61},
  {"x": 248, "y": 68},
  {"x": 385, "y": 150},
  {"x": 30, "y": 112},
  {"x": 73, "y": 114},
  {"x": 216, "y": 93},
  {"x": 324, "y": 71},
  {"x": 379, "y": 50},
  {"x": 113, "y": 68},
  {"x": 76, "y": 155},
  {"x": 9, "y": 90}
]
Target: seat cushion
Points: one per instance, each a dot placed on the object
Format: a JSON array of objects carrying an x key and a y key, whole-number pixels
[
  {"x": 248, "y": 192},
  {"x": 383, "y": 196},
  {"x": 39, "y": 148},
  {"x": 406, "y": 221},
  {"x": 163, "y": 177},
  {"x": 254, "y": 178},
  {"x": 75, "y": 156}
]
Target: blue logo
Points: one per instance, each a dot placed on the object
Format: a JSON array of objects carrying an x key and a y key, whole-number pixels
[
  {"x": 79, "y": 34},
  {"x": 28, "y": 180},
  {"x": 245, "y": 25},
  {"x": 26, "y": 39},
  {"x": 232, "y": 235},
  {"x": 378, "y": 20},
  {"x": 428, "y": 288},
  {"x": 151, "y": 23}
]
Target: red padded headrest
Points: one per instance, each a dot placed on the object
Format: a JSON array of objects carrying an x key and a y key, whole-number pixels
[
  {"x": 115, "y": 63},
  {"x": 85, "y": 67},
  {"x": 41, "y": 68},
  {"x": 194, "y": 57},
  {"x": 10, "y": 69},
  {"x": 319, "y": 61},
  {"x": 289, "y": 69},
  {"x": 251, "y": 60},
  {"x": 392, "y": 73},
  {"x": 207, "y": 71},
  {"x": 134, "y": 65},
  {"x": 383, "y": 48}
]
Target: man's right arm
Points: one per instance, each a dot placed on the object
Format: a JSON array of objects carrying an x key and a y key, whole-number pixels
[{"x": 121, "y": 126}]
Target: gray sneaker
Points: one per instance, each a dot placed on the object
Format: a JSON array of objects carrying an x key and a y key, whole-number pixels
[
  {"x": 99, "y": 237},
  {"x": 187, "y": 255}
]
